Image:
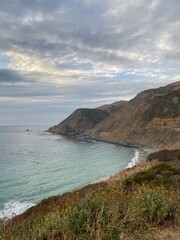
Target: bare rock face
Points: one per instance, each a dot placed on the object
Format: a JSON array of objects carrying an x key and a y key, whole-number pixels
[{"x": 152, "y": 118}]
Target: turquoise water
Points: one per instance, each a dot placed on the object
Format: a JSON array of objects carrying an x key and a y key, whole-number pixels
[{"x": 35, "y": 164}]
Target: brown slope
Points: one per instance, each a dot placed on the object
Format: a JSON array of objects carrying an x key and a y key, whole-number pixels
[
  {"x": 84, "y": 119},
  {"x": 114, "y": 107},
  {"x": 151, "y": 118}
]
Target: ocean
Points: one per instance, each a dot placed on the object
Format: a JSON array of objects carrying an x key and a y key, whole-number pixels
[{"x": 36, "y": 164}]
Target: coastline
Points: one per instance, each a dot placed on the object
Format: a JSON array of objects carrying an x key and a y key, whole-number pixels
[
  {"x": 60, "y": 201},
  {"x": 82, "y": 136},
  {"x": 138, "y": 163},
  {"x": 141, "y": 151},
  {"x": 46, "y": 214},
  {"x": 139, "y": 156},
  {"x": 87, "y": 137}
]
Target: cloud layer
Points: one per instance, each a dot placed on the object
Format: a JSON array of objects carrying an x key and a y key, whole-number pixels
[{"x": 62, "y": 54}]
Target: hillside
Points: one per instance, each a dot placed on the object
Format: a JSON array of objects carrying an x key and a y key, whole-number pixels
[
  {"x": 137, "y": 203},
  {"x": 152, "y": 118},
  {"x": 84, "y": 118}
]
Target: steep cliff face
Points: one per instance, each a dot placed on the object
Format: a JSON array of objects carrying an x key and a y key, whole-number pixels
[
  {"x": 80, "y": 120},
  {"x": 83, "y": 119},
  {"x": 152, "y": 118}
]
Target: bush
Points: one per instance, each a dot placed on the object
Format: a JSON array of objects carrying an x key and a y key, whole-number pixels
[
  {"x": 157, "y": 175},
  {"x": 152, "y": 206},
  {"x": 92, "y": 218}
]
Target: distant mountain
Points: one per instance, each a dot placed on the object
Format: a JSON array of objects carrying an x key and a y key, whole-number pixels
[{"x": 152, "y": 118}]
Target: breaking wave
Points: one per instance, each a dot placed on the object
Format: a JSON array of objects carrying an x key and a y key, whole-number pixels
[
  {"x": 14, "y": 208},
  {"x": 134, "y": 160}
]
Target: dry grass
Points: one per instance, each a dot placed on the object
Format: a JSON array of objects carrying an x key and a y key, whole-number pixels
[{"x": 122, "y": 175}]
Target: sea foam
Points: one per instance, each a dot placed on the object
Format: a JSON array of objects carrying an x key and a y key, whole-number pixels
[
  {"x": 134, "y": 160},
  {"x": 14, "y": 208}
]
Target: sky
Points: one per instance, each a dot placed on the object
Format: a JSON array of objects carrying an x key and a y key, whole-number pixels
[{"x": 59, "y": 55}]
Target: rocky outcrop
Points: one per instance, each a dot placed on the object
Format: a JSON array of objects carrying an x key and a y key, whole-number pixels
[
  {"x": 152, "y": 118},
  {"x": 165, "y": 156},
  {"x": 171, "y": 157}
]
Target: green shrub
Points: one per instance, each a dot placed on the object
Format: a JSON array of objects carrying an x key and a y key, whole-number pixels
[
  {"x": 157, "y": 175},
  {"x": 151, "y": 207},
  {"x": 91, "y": 218}
]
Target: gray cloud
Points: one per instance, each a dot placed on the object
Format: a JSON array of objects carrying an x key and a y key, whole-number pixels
[
  {"x": 9, "y": 76},
  {"x": 68, "y": 26},
  {"x": 84, "y": 53}
]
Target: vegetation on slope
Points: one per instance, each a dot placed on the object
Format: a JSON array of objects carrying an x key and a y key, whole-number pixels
[
  {"x": 160, "y": 174},
  {"x": 106, "y": 215},
  {"x": 127, "y": 209}
]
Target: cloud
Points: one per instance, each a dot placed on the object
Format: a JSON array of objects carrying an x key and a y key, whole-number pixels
[
  {"x": 10, "y": 77},
  {"x": 86, "y": 52}
]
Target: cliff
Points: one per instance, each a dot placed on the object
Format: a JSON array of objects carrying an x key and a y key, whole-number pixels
[
  {"x": 152, "y": 118},
  {"x": 84, "y": 118}
]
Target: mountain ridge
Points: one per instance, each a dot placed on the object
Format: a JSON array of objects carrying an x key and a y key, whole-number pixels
[
  {"x": 83, "y": 119},
  {"x": 151, "y": 118}
]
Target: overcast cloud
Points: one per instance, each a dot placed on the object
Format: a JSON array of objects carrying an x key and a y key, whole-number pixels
[{"x": 58, "y": 55}]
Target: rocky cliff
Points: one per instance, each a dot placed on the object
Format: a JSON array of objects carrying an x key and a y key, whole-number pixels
[{"x": 152, "y": 118}]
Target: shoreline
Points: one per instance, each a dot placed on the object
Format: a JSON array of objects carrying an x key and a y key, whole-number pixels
[
  {"x": 144, "y": 148},
  {"x": 139, "y": 162},
  {"x": 87, "y": 137},
  {"x": 77, "y": 193},
  {"x": 110, "y": 190},
  {"x": 141, "y": 153},
  {"x": 139, "y": 157}
]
